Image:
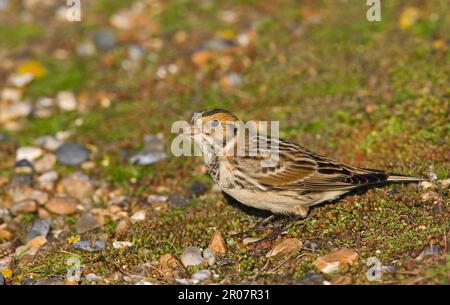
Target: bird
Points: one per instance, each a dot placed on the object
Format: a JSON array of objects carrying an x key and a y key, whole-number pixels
[{"x": 287, "y": 184}]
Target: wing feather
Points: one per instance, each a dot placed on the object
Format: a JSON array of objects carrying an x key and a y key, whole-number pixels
[{"x": 302, "y": 170}]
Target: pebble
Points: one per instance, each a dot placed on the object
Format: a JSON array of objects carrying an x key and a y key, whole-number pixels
[
  {"x": 170, "y": 265},
  {"x": 144, "y": 157},
  {"x": 342, "y": 280},
  {"x": 209, "y": 256},
  {"x": 197, "y": 188},
  {"x": 45, "y": 102},
  {"x": 86, "y": 223},
  {"x": 192, "y": 256},
  {"x": 231, "y": 80},
  {"x": 71, "y": 154},
  {"x": 61, "y": 205},
  {"x": 6, "y": 262},
  {"x": 24, "y": 250},
  {"x": 105, "y": 39},
  {"x": 90, "y": 246},
  {"x": 37, "y": 242},
  {"x": 424, "y": 185},
  {"x": 2, "y": 280},
  {"x": 286, "y": 247},
  {"x": 5, "y": 234},
  {"x": 48, "y": 142},
  {"x": 43, "y": 107},
  {"x": 23, "y": 167},
  {"x": 445, "y": 183},
  {"x": 11, "y": 94},
  {"x": 92, "y": 277},
  {"x": 143, "y": 283},
  {"x": 66, "y": 101},
  {"x": 77, "y": 185},
  {"x": 393, "y": 191},
  {"x": 29, "y": 153},
  {"x": 63, "y": 135},
  {"x": 135, "y": 52},
  {"x": 3, "y": 137},
  {"x": 122, "y": 227},
  {"x": 47, "y": 180},
  {"x": 15, "y": 111},
  {"x": 312, "y": 279},
  {"x": 20, "y": 80},
  {"x": 40, "y": 227},
  {"x": 26, "y": 193},
  {"x": 138, "y": 216},
  {"x": 313, "y": 246},
  {"x": 202, "y": 275},
  {"x": 57, "y": 280},
  {"x": 176, "y": 200},
  {"x": 21, "y": 180},
  {"x": 85, "y": 49},
  {"x": 217, "y": 244},
  {"x": 153, "y": 151},
  {"x": 43, "y": 213},
  {"x": 24, "y": 207},
  {"x": 153, "y": 199},
  {"x": 428, "y": 196},
  {"x": 45, "y": 163},
  {"x": 122, "y": 244},
  {"x": 332, "y": 261},
  {"x": 428, "y": 251},
  {"x": 218, "y": 44}
]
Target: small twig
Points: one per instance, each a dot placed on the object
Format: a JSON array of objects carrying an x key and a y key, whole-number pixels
[
  {"x": 408, "y": 272},
  {"x": 281, "y": 264},
  {"x": 445, "y": 240}
]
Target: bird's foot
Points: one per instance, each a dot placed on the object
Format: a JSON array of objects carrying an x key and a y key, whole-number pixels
[
  {"x": 279, "y": 227},
  {"x": 259, "y": 226}
]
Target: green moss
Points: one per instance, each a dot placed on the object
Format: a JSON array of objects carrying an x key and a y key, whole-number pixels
[
  {"x": 59, "y": 76},
  {"x": 16, "y": 35}
]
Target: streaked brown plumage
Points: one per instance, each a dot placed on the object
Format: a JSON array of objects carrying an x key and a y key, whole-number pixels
[{"x": 300, "y": 178}]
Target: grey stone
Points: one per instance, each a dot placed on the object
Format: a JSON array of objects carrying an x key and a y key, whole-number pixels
[
  {"x": 192, "y": 256},
  {"x": 40, "y": 227},
  {"x": 105, "y": 39},
  {"x": 71, "y": 154},
  {"x": 153, "y": 151},
  {"x": 48, "y": 142},
  {"x": 312, "y": 279},
  {"x": 90, "y": 246},
  {"x": 197, "y": 188},
  {"x": 86, "y": 223},
  {"x": 432, "y": 250},
  {"x": 177, "y": 200}
]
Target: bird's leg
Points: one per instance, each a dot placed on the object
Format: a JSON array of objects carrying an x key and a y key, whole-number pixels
[
  {"x": 281, "y": 225},
  {"x": 259, "y": 226}
]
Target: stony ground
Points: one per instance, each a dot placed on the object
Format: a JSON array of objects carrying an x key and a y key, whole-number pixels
[{"x": 90, "y": 193}]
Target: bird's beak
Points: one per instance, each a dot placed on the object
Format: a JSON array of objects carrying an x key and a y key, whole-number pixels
[{"x": 191, "y": 131}]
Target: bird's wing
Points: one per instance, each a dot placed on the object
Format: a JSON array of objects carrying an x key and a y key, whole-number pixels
[{"x": 299, "y": 169}]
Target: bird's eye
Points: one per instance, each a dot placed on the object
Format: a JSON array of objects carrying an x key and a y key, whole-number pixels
[{"x": 214, "y": 123}]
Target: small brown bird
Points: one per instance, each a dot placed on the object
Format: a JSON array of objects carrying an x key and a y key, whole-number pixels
[{"x": 298, "y": 179}]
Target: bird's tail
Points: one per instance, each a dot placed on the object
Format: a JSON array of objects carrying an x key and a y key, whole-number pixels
[{"x": 401, "y": 178}]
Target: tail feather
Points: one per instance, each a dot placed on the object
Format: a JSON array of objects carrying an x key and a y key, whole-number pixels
[
  {"x": 393, "y": 177},
  {"x": 401, "y": 178}
]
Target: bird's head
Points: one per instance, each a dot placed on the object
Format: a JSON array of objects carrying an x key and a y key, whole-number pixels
[{"x": 215, "y": 131}]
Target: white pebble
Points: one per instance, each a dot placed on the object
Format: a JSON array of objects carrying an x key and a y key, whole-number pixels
[
  {"x": 66, "y": 101},
  {"x": 138, "y": 216},
  {"x": 29, "y": 153},
  {"x": 202, "y": 275}
]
